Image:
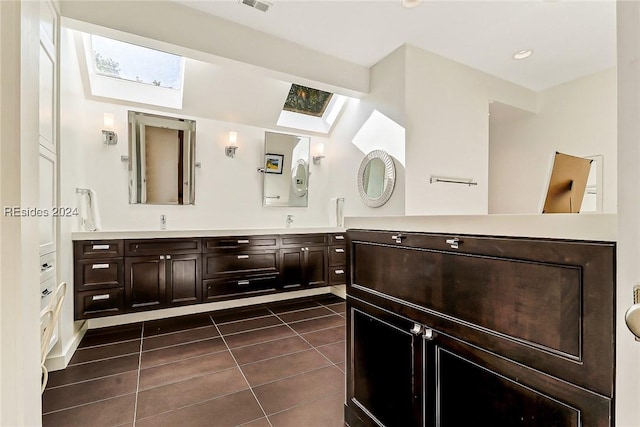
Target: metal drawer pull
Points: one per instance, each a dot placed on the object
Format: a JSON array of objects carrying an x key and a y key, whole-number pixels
[
  {"x": 168, "y": 256},
  {"x": 243, "y": 241},
  {"x": 417, "y": 329},
  {"x": 339, "y": 271},
  {"x": 340, "y": 251},
  {"x": 243, "y": 256},
  {"x": 46, "y": 292},
  {"x": 339, "y": 237},
  {"x": 161, "y": 256},
  {"x": 455, "y": 243},
  {"x": 428, "y": 334},
  {"x": 100, "y": 247},
  {"x": 398, "y": 238},
  {"x": 99, "y": 297},
  {"x": 243, "y": 282},
  {"x": 99, "y": 266},
  {"x": 46, "y": 266}
]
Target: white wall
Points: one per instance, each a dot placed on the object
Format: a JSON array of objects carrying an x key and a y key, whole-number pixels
[
  {"x": 576, "y": 118},
  {"x": 447, "y": 106},
  {"x": 344, "y": 157},
  {"x": 228, "y": 190}
]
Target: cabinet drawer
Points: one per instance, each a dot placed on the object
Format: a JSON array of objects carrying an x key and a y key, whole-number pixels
[
  {"x": 241, "y": 263},
  {"x": 98, "y": 249},
  {"x": 98, "y": 303},
  {"x": 98, "y": 274},
  {"x": 47, "y": 266},
  {"x": 162, "y": 246},
  {"x": 337, "y": 255},
  {"x": 226, "y": 289},
  {"x": 337, "y": 238},
  {"x": 304, "y": 239},
  {"x": 337, "y": 275},
  {"x": 242, "y": 242}
]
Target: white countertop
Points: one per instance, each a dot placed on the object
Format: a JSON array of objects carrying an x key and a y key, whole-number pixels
[
  {"x": 156, "y": 234},
  {"x": 596, "y": 227}
]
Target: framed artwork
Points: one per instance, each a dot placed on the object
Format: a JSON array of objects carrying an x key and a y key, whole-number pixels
[{"x": 273, "y": 163}]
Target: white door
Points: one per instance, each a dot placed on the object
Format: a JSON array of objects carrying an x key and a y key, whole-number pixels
[{"x": 628, "y": 251}]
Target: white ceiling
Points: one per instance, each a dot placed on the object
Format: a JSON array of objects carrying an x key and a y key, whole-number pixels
[{"x": 570, "y": 39}]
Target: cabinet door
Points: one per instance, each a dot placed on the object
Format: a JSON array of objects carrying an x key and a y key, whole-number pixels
[
  {"x": 145, "y": 285},
  {"x": 184, "y": 284},
  {"x": 291, "y": 264},
  {"x": 315, "y": 266},
  {"x": 385, "y": 368}
]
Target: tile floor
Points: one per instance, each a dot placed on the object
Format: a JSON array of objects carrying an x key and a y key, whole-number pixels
[{"x": 279, "y": 364}]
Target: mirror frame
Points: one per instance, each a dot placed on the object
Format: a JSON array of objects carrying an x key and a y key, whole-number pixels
[
  {"x": 390, "y": 177},
  {"x": 137, "y": 121}
]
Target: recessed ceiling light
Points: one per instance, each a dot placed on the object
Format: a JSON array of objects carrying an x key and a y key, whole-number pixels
[
  {"x": 522, "y": 54},
  {"x": 411, "y": 3}
]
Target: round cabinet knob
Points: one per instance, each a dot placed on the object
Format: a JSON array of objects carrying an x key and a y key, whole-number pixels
[{"x": 632, "y": 318}]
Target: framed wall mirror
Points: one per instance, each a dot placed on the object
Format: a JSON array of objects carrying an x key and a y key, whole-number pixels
[
  {"x": 376, "y": 178},
  {"x": 286, "y": 170},
  {"x": 161, "y": 159}
]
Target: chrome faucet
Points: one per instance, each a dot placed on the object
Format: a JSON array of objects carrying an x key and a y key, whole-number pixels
[{"x": 289, "y": 220}]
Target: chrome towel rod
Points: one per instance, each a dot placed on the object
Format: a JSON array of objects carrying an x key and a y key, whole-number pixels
[
  {"x": 82, "y": 190},
  {"x": 468, "y": 182}
]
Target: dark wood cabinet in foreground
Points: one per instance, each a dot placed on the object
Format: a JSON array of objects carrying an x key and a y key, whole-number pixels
[
  {"x": 495, "y": 332},
  {"x": 122, "y": 276}
]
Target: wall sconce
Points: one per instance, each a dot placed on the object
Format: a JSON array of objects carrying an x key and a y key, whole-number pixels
[
  {"x": 109, "y": 136},
  {"x": 319, "y": 149},
  {"x": 230, "y": 150}
]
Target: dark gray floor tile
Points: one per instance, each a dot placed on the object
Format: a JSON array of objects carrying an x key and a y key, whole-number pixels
[
  {"x": 227, "y": 411},
  {"x": 262, "y": 422},
  {"x": 305, "y": 314},
  {"x": 258, "y": 336},
  {"x": 250, "y": 324},
  {"x": 334, "y": 352},
  {"x": 88, "y": 354},
  {"x": 185, "y": 369},
  {"x": 174, "y": 396},
  {"x": 283, "y": 366},
  {"x": 325, "y": 336},
  {"x": 325, "y": 412},
  {"x": 166, "y": 340},
  {"x": 281, "y": 347},
  {"x": 243, "y": 313},
  {"x": 55, "y": 399},
  {"x": 292, "y": 305},
  {"x": 293, "y": 391},
  {"x": 106, "y": 413},
  {"x": 317, "y": 324},
  {"x": 328, "y": 299},
  {"x": 174, "y": 324},
  {"x": 111, "y": 334},
  {"x": 92, "y": 370},
  {"x": 340, "y": 308},
  {"x": 182, "y": 351}
]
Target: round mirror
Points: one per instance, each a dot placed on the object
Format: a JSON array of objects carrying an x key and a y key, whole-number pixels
[
  {"x": 299, "y": 178},
  {"x": 376, "y": 178}
]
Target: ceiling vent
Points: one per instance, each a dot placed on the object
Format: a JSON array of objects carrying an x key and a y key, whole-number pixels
[{"x": 257, "y": 4}]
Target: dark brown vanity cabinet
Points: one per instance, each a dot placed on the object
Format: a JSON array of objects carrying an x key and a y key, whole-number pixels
[
  {"x": 479, "y": 330},
  {"x": 304, "y": 260},
  {"x": 123, "y": 276},
  {"x": 240, "y": 266},
  {"x": 169, "y": 273},
  {"x": 98, "y": 278}
]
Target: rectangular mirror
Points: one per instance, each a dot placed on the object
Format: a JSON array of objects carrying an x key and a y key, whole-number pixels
[
  {"x": 286, "y": 170},
  {"x": 161, "y": 159}
]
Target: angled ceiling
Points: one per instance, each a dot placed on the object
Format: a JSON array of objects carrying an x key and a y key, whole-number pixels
[{"x": 570, "y": 39}]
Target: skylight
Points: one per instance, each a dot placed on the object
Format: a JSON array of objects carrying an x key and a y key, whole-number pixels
[
  {"x": 113, "y": 58},
  {"x": 130, "y": 72},
  {"x": 310, "y": 109}
]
